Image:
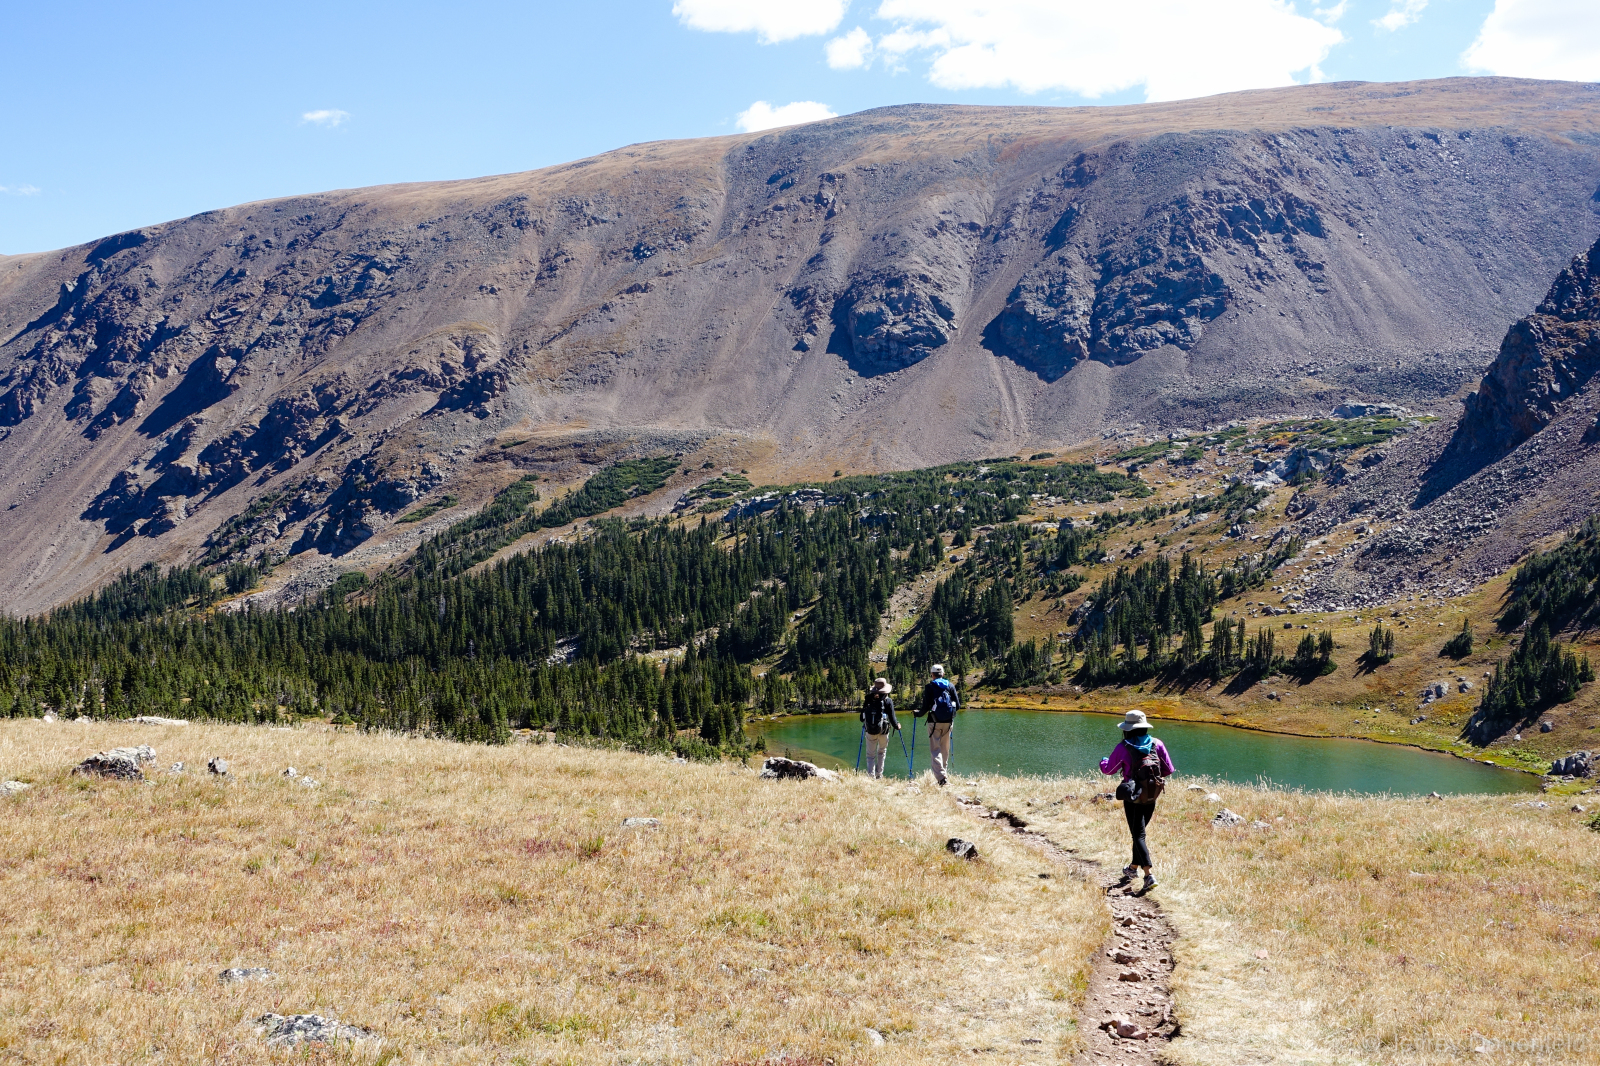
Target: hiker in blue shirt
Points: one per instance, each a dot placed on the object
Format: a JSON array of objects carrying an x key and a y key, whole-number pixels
[{"x": 940, "y": 702}]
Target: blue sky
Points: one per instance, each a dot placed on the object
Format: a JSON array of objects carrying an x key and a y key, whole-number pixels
[{"x": 121, "y": 115}]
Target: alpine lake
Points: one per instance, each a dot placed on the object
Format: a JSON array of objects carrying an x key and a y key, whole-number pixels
[{"x": 1049, "y": 743}]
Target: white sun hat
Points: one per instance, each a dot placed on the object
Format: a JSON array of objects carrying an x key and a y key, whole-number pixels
[{"x": 1133, "y": 720}]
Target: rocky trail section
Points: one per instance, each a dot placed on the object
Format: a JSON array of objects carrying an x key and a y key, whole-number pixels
[{"x": 1128, "y": 1010}]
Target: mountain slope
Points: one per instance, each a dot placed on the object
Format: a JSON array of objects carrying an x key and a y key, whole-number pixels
[
  {"x": 890, "y": 289},
  {"x": 1463, "y": 500}
]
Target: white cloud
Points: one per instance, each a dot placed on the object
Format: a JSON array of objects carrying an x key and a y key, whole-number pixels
[
  {"x": 329, "y": 118},
  {"x": 763, "y": 116},
  {"x": 1333, "y": 14},
  {"x": 772, "y": 20},
  {"x": 1174, "y": 48},
  {"x": 1401, "y": 14},
  {"x": 19, "y": 190},
  {"x": 850, "y": 51},
  {"x": 1539, "y": 39}
]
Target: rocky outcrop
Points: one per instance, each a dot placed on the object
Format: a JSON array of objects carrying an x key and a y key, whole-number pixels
[
  {"x": 1577, "y": 764},
  {"x": 125, "y": 764},
  {"x": 1545, "y": 360}
]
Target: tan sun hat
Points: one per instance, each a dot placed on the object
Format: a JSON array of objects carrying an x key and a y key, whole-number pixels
[
  {"x": 882, "y": 685},
  {"x": 1133, "y": 720}
]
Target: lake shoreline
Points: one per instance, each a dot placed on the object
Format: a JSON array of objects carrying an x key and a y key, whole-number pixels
[{"x": 773, "y": 721}]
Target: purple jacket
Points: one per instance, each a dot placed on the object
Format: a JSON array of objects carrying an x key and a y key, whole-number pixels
[{"x": 1122, "y": 758}]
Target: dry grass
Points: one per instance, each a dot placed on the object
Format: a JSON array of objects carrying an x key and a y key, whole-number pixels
[
  {"x": 485, "y": 905},
  {"x": 1361, "y": 930}
]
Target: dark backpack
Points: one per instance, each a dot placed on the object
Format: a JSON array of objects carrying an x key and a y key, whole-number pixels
[
  {"x": 944, "y": 703},
  {"x": 1148, "y": 781},
  {"x": 875, "y": 716}
]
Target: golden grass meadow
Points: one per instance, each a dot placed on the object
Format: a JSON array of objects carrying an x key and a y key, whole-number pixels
[{"x": 474, "y": 904}]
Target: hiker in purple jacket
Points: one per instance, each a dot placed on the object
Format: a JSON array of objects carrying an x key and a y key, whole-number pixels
[{"x": 1145, "y": 766}]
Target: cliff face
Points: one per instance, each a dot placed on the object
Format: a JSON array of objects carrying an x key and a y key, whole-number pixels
[
  {"x": 890, "y": 289},
  {"x": 1545, "y": 360}
]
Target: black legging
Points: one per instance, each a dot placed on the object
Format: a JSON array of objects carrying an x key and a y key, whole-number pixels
[{"x": 1139, "y": 815}]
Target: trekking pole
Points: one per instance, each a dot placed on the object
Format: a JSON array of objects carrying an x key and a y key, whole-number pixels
[
  {"x": 861, "y": 744},
  {"x": 913, "y": 758},
  {"x": 902, "y": 733}
]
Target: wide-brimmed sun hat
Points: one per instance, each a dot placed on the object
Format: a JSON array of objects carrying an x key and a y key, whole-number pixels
[
  {"x": 882, "y": 685},
  {"x": 1133, "y": 720}
]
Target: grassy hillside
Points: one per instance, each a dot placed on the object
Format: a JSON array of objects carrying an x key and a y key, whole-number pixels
[
  {"x": 1133, "y": 571},
  {"x": 484, "y": 904}
]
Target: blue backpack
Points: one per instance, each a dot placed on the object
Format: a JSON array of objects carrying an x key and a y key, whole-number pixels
[{"x": 945, "y": 703}]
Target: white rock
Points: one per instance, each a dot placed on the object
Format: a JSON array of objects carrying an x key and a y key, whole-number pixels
[
  {"x": 874, "y": 1037},
  {"x": 151, "y": 719},
  {"x": 295, "y": 1029},
  {"x": 1226, "y": 818},
  {"x": 245, "y": 973},
  {"x": 124, "y": 763},
  {"x": 1212, "y": 797},
  {"x": 640, "y": 823},
  {"x": 11, "y": 788},
  {"x": 291, "y": 772}
]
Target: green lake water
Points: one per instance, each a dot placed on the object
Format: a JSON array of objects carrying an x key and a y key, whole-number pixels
[{"x": 1062, "y": 742}]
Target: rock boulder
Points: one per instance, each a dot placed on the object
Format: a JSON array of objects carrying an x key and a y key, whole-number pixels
[{"x": 125, "y": 764}]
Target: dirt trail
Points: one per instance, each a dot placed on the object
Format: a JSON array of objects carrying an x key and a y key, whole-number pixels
[{"x": 1131, "y": 976}]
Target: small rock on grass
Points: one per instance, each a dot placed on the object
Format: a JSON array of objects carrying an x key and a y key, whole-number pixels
[
  {"x": 124, "y": 764},
  {"x": 874, "y": 1037},
  {"x": 640, "y": 823},
  {"x": 244, "y": 973},
  {"x": 779, "y": 768},
  {"x": 218, "y": 766},
  {"x": 295, "y": 1029},
  {"x": 1212, "y": 797},
  {"x": 155, "y": 719},
  {"x": 11, "y": 788},
  {"x": 965, "y": 849},
  {"x": 1227, "y": 819}
]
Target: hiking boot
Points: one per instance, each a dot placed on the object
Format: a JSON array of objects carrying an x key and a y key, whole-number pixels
[
  {"x": 1149, "y": 883},
  {"x": 1128, "y": 874}
]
